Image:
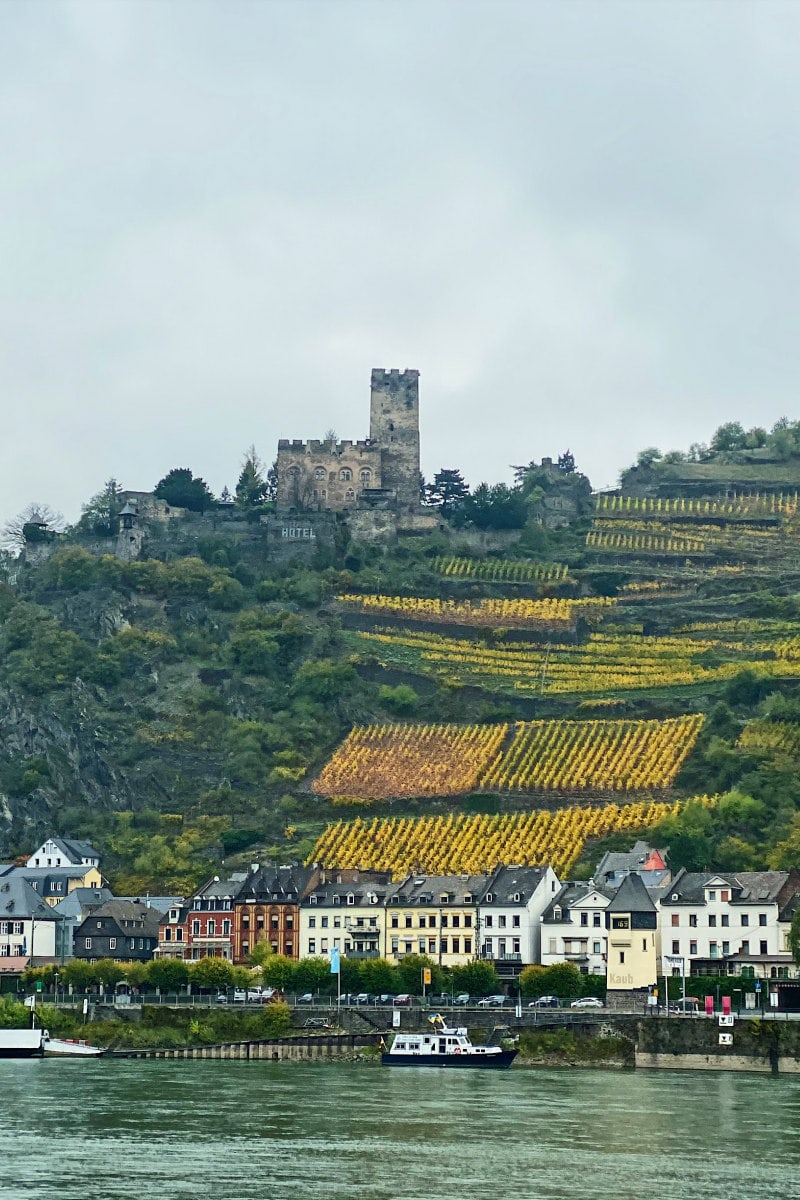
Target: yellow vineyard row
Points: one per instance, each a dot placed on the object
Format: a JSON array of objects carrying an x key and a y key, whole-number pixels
[
  {"x": 391, "y": 761},
  {"x": 460, "y": 844},
  {"x": 521, "y": 613},
  {"x": 500, "y": 570}
]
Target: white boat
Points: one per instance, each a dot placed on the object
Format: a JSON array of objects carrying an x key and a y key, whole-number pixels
[
  {"x": 21, "y": 1043},
  {"x": 67, "y": 1047},
  {"x": 444, "y": 1047}
]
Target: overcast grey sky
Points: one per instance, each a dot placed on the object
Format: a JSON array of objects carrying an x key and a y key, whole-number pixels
[{"x": 579, "y": 220}]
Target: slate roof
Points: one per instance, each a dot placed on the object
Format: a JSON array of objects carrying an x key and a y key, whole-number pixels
[
  {"x": 631, "y": 896},
  {"x": 131, "y": 916},
  {"x": 568, "y": 897},
  {"x": 18, "y": 900},
  {"x": 76, "y": 850},
  {"x": 746, "y": 887},
  {"x": 282, "y": 883},
  {"x": 82, "y": 901},
  {"x": 428, "y": 889},
  {"x": 362, "y": 890},
  {"x": 508, "y": 882}
]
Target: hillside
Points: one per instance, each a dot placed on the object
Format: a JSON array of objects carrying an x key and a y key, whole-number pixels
[{"x": 187, "y": 707}]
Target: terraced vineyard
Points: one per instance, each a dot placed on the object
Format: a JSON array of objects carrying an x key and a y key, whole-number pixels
[
  {"x": 392, "y": 761},
  {"x": 607, "y": 663},
  {"x": 549, "y": 615},
  {"x": 382, "y": 761},
  {"x": 783, "y": 736},
  {"x": 497, "y": 570},
  {"x": 458, "y": 844}
]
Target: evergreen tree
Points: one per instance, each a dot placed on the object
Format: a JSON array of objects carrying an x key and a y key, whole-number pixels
[
  {"x": 182, "y": 489},
  {"x": 252, "y": 487},
  {"x": 100, "y": 514},
  {"x": 448, "y": 490}
]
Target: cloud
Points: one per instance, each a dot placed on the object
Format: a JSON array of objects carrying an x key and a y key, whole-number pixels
[{"x": 578, "y": 221}]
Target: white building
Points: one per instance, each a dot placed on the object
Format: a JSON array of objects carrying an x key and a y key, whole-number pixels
[
  {"x": 27, "y": 924},
  {"x": 343, "y": 911},
  {"x": 729, "y": 923},
  {"x": 64, "y": 852},
  {"x": 573, "y": 928},
  {"x": 510, "y": 908}
]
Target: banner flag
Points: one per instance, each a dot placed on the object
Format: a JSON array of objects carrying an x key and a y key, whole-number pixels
[{"x": 335, "y": 964}]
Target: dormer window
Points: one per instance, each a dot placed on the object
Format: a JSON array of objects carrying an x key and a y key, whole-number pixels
[
  {"x": 489, "y": 897},
  {"x": 312, "y": 899},
  {"x": 557, "y": 912},
  {"x": 351, "y": 898},
  {"x": 468, "y": 898},
  {"x": 337, "y": 899},
  {"x": 517, "y": 897}
]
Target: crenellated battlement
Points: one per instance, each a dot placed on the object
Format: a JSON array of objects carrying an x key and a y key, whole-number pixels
[{"x": 316, "y": 447}]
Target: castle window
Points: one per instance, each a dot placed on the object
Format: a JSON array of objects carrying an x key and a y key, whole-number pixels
[
  {"x": 350, "y": 494},
  {"x": 345, "y": 474},
  {"x": 320, "y": 472},
  {"x": 366, "y": 475}
]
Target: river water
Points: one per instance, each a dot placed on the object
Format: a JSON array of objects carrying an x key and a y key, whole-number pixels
[{"x": 175, "y": 1130}]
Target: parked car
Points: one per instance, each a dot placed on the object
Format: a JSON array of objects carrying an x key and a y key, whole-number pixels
[
  {"x": 255, "y": 995},
  {"x": 545, "y": 1002},
  {"x": 239, "y": 996},
  {"x": 385, "y": 998},
  {"x": 461, "y": 998},
  {"x": 306, "y": 998},
  {"x": 221, "y": 998},
  {"x": 362, "y": 998},
  {"x": 587, "y": 1002},
  {"x": 492, "y": 1001},
  {"x": 404, "y": 1000},
  {"x": 690, "y": 1007}
]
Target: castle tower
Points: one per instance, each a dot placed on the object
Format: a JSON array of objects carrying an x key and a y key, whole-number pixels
[{"x": 394, "y": 425}]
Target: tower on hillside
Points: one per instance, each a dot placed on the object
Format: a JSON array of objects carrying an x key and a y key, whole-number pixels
[{"x": 394, "y": 425}]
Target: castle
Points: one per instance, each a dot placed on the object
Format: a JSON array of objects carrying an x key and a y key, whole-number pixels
[{"x": 378, "y": 475}]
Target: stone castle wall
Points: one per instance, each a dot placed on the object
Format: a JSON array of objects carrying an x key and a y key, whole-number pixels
[{"x": 323, "y": 475}]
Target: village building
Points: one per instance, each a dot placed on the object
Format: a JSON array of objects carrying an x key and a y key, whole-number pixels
[
  {"x": 343, "y": 910},
  {"x": 125, "y": 930},
  {"x": 509, "y": 916},
  {"x": 435, "y": 915},
  {"x": 573, "y": 928},
  {"x": 267, "y": 909},
  {"x": 631, "y": 927},
  {"x": 730, "y": 923},
  {"x": 54, "y": 883},
  {"x": 28, "y": 926},
  {"x": 64, "y": 852}
]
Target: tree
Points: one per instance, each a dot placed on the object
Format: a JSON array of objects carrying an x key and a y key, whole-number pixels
[
  {"x": 313, "y": 975},
  {"x": 168, "y": 974},
  {"x": 211, "y": 973},
  {"x": 646, "y": 458},
  {"x": 100, "y": 515},
  {"x": 477, "y": 978},
  {"x": 566, "y": 462},
  {"x": 409, "y": 974},
  {"x": 36, "y": 523},
  {"x": 261, "y": 952},
  {"x": 252, "y": 487},
  {"x": 182, "y": 489},
  {"x": 794, "y": 936},
  {"x": 496, "y": 507},
  {"x": 277, "y": 971},
  {"x": 730, "y": 436},
  {"x": 447, "y": 490},
  {"x": 378, "y": 976},
  {"x": 559, "y": 979}
]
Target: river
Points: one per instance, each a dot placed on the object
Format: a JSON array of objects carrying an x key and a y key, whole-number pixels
[{"x": 175, "y": 1130}]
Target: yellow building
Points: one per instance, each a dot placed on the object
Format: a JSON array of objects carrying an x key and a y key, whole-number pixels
[
  {"x": 435, "y": 915},
  {"x": 631, "y": 926}
]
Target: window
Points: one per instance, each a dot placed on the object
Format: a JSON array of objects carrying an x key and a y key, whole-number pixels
[
  {"x": 693, "y": 947},
  {"x": 421, "y": 921},
  {"x": 712, "y": 895},
  {"x": 501, "y": 921},
  {"x": 762, "y": 919},
  {"x": 312, "y": 922},
  {"x": 395, "y": 921},
  {"x": 595, "y": 920},
  {"x": 515, "y": 921},
  {"x": 724, "y": 895},
  {"x": 443, "y": 921},
  {"x": 596, "y": 948},
  {"x": 178, "y": 935},
  {"x": 366, "y": 475},
  {"x": 351, "y": 898},
  {"x": 726, "y": 947},
  {"x": 196, "y": 928},
  {"x": 745, "y": 947},
  {"x": 644, "y": 945},
  {"x": 350, "y": 494},
  {"x": 87, "y": 944},
  {"x": 394, "y": 945},
  {"x": 622, "y": 957},
  {"x": 456, "y": 942},
  {"x": 112, "y": 943},
  {"x": 745, "y": 920},
  {"x": 212, "y": 928},
  {"x": 675, "y": 919},
  {"x": 167, "y": 935},
  {"x": 763, "y": 946},
  {"x": 713, "y": 950},
  {"x": 320, "y": 473},
  {"x": 712, "y": 921},
  {"x": 423, "y": 945},
  {"x": 467, "y": 920},
  {"x": 408, "y": 921},
  {"x": 324, "y": 945},
  {"x": 431, "y": 922},
  {"x": 312, "y": 946},
  {"x": 676, "y": 947},
  {"x": 584, "y": 918},
  {"x": 345, "y": 474},
  {"x": 725, "y": 920},
  {"x": 456, "y": 921},
  {"x": 467, "y": 945},
  {"x": 487, "y": 922},
  {"x": 693, "y": 920},
  {"x": 226, "y": 928}
]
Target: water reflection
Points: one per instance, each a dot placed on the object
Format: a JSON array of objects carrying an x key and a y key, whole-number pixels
[{"x": 268, "y": 1131}]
